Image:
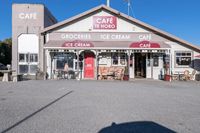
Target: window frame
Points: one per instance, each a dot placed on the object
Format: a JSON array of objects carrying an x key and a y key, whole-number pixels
[
  {"x": 28, "y": 62},
  {"x": 156, "y": 59},
  {"x": 25, "y": 59},
  {"x": 119, "y": 58},
  {"x": 182, "y": 66},
  {"x": 30, "y": 58}
]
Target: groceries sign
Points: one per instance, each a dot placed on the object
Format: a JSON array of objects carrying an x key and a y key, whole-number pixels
[{"x": 104, "y": 22}]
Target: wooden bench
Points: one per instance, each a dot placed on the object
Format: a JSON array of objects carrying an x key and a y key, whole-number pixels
[{"x": 111, "y": 73}]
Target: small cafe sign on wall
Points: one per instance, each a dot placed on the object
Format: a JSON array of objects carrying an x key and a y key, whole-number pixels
[{"x": 105, "y": 22}]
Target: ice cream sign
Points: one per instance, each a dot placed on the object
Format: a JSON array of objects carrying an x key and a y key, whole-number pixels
[{"x": 104, "y": 22}]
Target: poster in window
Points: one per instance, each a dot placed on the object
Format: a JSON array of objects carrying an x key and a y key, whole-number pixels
[{"x": 155, "y": 61}]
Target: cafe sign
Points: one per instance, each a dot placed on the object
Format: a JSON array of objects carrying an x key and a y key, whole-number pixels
[
  {"x": 77, "y": 43},
  {"x": 105, "y": 22},
  {"x": 144, "y": 44},
  {"x": 28, "y": 16}
]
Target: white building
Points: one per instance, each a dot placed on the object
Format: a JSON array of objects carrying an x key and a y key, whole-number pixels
[{"x": 98, "y": 44}]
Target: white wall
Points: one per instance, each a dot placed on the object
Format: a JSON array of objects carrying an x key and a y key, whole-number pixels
[
  {"x": 28, "y": 43},
  {"x": 86, "y": 25}
]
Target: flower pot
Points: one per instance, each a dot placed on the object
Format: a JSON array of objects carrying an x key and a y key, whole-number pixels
[
  {"x": 167, "y": 77},
  {"x": 126, "y": 77}
]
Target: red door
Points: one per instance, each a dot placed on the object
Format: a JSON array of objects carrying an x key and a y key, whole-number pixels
[{"x": 89, "y": 66}]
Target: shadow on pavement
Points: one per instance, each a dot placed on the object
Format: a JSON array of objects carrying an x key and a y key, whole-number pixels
[
  {"x": 34, "y": 113},
  {"x": 136, "y": 127}
]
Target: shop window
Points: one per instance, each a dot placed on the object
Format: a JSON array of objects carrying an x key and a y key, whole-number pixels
[
  {"x": 28, "y": 63},
  {"x": 115, "y": 59},
  {"x": 156, "y": 61},
  {"x": 33, "y": 58},
  {"x": 62, "y": 59},
  {"x": 149, "y": 60},
  {"x": 119, "y": 59},
  {"x": 183, "y": 59},
  {"x": 33, "y": 68},
  {"x": 105, "y": 59},
  {"x": 122, "y": 58},
  {"x": 23, "y": 68},
  {"x": 23, "y": 57},
  {"x": 60, "y": 63}
]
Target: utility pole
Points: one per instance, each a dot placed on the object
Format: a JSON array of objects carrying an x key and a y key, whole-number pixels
[
  {"x": 108, "y": 3},
  {"x": 128, "y": 7}
]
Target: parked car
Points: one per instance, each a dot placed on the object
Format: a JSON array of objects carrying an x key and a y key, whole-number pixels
[{"x": 2, "y": 67}]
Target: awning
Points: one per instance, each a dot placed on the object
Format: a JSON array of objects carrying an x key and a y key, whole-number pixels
[{"x": 77, "y": 44}]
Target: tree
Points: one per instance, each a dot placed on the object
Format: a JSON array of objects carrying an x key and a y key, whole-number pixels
[{"x": 6, "y": 51}]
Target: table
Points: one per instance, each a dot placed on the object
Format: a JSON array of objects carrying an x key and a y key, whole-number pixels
[
  {"x": 70, "y": 74},
  {"x": 6, "y": 75},
  {"x": 178, "y": 75}
]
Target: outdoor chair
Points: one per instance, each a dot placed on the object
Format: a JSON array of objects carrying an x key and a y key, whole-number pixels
[
  {"x": 174, "y": 76},
  {"x": 186, "y": 75},
  {"x": 111, "y": 73},
  {"x": 192, "y": 76},
  {"x": 103, "y": 71},
  {"x": 119, "y": 74},
  {"x": 100, "y": 73}
]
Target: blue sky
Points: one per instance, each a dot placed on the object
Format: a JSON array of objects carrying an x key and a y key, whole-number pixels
[{"x": 178, "y": 17}]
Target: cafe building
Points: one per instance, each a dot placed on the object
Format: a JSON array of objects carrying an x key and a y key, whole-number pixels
[{"x": 99, "y": 44}]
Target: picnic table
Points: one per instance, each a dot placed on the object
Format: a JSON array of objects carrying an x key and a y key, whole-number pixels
[{"x": 6, "y": 75}]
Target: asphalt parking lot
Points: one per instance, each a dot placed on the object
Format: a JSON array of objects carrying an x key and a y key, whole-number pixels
[{"x": 141, "y": 106}]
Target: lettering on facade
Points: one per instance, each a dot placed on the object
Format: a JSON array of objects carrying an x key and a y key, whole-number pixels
[
  {"x": 144, "y": 37},
  {"x": 197, "y": 56},
  {"x": 27, "y": 16},
  {"x": 144, "y": 44},
  {"x": 104, "y": 22},
  {"x": 78, "y": 43},
  {"x": 114, "y": 36},
  {"x": 103, "y": 36},
  {"x": 76, "y": 36}
]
